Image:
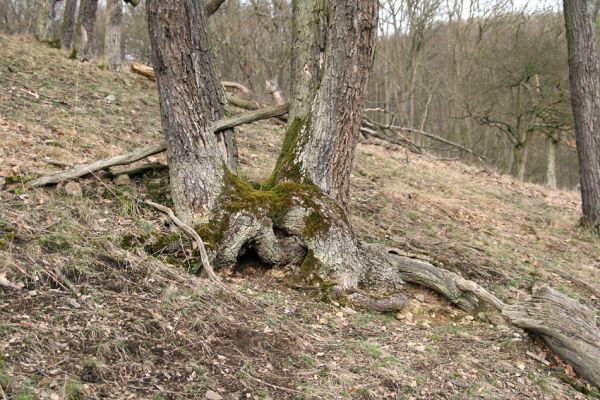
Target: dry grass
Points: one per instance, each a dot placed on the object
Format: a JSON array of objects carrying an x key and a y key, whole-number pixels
[{"x": 110, "y": 312}]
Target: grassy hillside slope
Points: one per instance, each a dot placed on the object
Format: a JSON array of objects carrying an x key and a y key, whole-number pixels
[{"x": 109, "y": 310}]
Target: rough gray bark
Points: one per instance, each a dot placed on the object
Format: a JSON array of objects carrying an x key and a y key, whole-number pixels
[
  {"x": 553, "y": 141},
  {"x": 584, "y": 73},
  {"x": 87, "y": 29},
  {"x": 332, "y": 55},
  {"x": 112, "y": 38},
  {"x": 69, "y": 20},
  {"x": 191, "y": 96},
  {"x": 568, "y": 327}
]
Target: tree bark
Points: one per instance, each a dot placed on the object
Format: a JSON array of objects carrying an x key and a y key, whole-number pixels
[
  {"x": 191, "y": 96},
  {"x": 584, "y": 74},
  {"x": 45, "y": 20},
  {"x": 112, "y": 38},
  {"x": 88, "y": 29},
  {"x": 69, "y": 20},
  {"x": 553, "y": 141},
  {"x": 568, "y": 327},
  {"x": 332, "y": 56}
]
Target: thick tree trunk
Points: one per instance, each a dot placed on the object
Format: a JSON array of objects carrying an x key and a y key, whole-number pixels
[
  {"x": 112, "y": 38},
  {"x": 332, "y": 56},
  {"x": 190, "y": 97},
  {"x": 87, "y": 29},
  {"x": 69, "y": 21},
  {"x": 552, "y": 151},
  {"x": 584, "y": 73}
]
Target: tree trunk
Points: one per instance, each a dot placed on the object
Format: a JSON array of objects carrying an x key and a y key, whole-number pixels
[
  {"x": 330, "y": 68},
  {"x": 190, "y": 97},
  {"x": 584, "y": 73},
  {"x": 520, "y": 156},
  {"x": 45, "y": 20},
  {"x": 69, "y": 20},
  {"x": 553, "y": 140},
  {"x": 112, "y": 38},
  {"x": 567, "y": 325},
  {"x": 88, "y": 29}
]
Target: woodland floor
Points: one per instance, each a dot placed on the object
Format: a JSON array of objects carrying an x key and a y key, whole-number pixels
[{"x": 109, "y": 309}]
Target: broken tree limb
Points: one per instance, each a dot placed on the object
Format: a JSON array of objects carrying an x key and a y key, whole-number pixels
[
  {"x": 85, "y": 169},
  {"x": 242, "y": 103},
  {"x": 139, "y": 154},
  {"x": 142, "y": 169},
  {"x": 143, "y": 70},
  {"x": 567, "y": 326},
  {"x": 193, "y": 234},
  {"x": 440, "y": 139},
  {"x": 238, "y": 86},
  {"x": 397, "y": 140}
]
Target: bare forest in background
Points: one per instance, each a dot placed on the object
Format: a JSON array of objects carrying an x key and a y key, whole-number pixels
[{"x": 492, "y": 78}]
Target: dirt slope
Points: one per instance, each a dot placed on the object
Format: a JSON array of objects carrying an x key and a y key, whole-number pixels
[{"x": 109, "y": 309}]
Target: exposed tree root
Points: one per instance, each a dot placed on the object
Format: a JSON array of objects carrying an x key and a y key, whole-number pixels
[{"x": 567, "y": 326}]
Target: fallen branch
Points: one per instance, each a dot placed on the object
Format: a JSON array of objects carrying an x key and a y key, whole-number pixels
[
  {"x": 143, "y": 70},
  {"x": 193, "y": 234},
  {"x": 567, "y": 326},
  {"x": 85, "y": 169},
  {"x": 139, "y": 154},
  {"x": 142, "y": 169},
  {"x": 238, "y": 86}
]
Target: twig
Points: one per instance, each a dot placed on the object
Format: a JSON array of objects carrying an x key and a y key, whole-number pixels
[
  {"x": 191, "y": 232},
  {"x": 538, "y": 358},
  {"x": 2, "y": 393}
]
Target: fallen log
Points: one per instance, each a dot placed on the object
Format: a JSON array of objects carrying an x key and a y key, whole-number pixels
[
  {"x": 143, "y": 70},
  {"x": 139, "y": 154},
  {"x": 567, "y": 326}
]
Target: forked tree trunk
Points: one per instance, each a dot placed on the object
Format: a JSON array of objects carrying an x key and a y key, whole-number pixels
[
  {"x": 112, "y": 37},
  {"x": 69, "y": 20},
  {"x": 87, "y": 29},
  {"x": 584, "y": 73}
]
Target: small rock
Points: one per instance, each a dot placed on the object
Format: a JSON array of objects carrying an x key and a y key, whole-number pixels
[
  {"x": 348, "y": 310},
  {"x": 73, "y": 189},
  {"x": 122, "y": 180},
  {"x": 420, "y": 297},
  {"x": 469, "y": 318},
  {"x": 420, "y": 348},
  {"x": 2, "y": 181},
  {"x": 210, "y": 395},
  {"x": 110, "y": 98}
]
